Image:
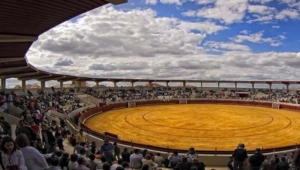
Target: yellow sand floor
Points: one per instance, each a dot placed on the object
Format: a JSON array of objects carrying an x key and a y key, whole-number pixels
[{"x": 203, "y": 126}]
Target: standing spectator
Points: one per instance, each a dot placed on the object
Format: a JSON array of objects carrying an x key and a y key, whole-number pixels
[
  {"x": 256, "y": 160},
  {"x": 81, "y": 138},
  {"x": 12, "y": 158},
  {"x": 125, "y": 155},
  {"x": 34, "y": 160},
  {"x": 135, "y": 160},
  {"x": 239, "y": 156},
  {"x": 107, "y": 149},
  {"x": 59, "y": 138},
  {"x": 47, "y": 136},
  {"x": 6, "y": 126},
  {"x": 116, "y": 151}
]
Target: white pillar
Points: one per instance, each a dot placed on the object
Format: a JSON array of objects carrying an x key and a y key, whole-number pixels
[
  {"x": 115, "y": 84},
  {"x": 97, "y": 85}
]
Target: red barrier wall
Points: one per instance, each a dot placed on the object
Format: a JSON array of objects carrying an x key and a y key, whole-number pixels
[{"x": 160, "y": 102}]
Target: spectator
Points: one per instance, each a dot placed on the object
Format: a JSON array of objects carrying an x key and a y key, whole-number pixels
[
  {"x": 116, "y": 151},
  {"x": 256, "y": 160},
  {"x": 73, "y": 164},
  {"x": 34, "y": 160},
  {"x": 197, "y": 165},
  {"x": 54, "y": 164},
  {"x": 6, "y": 126},
  {"x": 174, "y": 158},
  {"x": 81, "y": 137},
  {"x": 107, "y": 149},
  {"x": 82, "y": 164},
  {"x": 125, "y": 155},
  {"x": 91, "y": 162},
  {"x": 282, "y": 165},
  {"x": 26, "y": 130},
  {"x": 64, "y": 161},
  {"x": 47, "y": 136},
  {"x": 158, "y": 160},
  {"x": 191, "y": 154},
  {"x": 135, "y": 160},
  {"x": 12, "y": 157},
  {"x": 116, "y": 164},
  {"x": 239, "y": 156},
  {"x": 147, "y": 161}
]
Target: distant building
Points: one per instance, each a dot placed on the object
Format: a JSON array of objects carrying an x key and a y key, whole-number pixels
[{"x": 78, "y": 83}]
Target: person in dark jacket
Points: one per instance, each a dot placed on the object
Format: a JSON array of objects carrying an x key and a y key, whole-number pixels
[
  {"x": 125, "y": 155},
  {"x": 197, "y": 165},
  {"x": 47, "y": 136},
  {"x": 184, "y": 164},
  {"x": 239, "y": 156},
  {"x": 6, "y": 126},
  {"x": 282, "y": 165},
  {"x": 230, "y": 163},
  {"x": 256, "y": 160}
]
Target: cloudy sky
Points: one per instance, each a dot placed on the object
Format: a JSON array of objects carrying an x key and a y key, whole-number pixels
[{"x": 177, "y": 39}]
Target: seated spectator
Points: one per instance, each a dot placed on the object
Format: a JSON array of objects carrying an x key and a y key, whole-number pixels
[
  {"x": 54, "y": 164},
  {"x": 12, "y": 158},
  {"x": 158, "y": 160},
  {"x": 197, "y": 165},
  {"x": 147, "y": 161},
  {"x": 82, "y": 164},
  {"x": 64, "y": 161},
  {"x": 116, "y": 164},
  {"x": 34, "y": 160},
  {"x": 73, "y": 164}
]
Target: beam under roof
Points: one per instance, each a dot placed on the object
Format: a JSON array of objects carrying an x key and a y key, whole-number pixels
[{"x": 16, "y": 38}]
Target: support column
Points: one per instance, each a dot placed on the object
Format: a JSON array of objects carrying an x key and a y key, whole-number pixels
[
  {"x": 132, "y": 84},
  {"x": 24, "y": 85},
  {"x": 61, "y": 85},
  {"x": 235, "y": 85},
  {"x": 167, "y": 83},
  {"x": 3, "y": 84},
  {"x": 201, "y": 84},
  {"x": 287, "y": 87},
  {"x": 115, "y": 84},
  {"x": 252, "y": 86},
  {"x": 270, "y": 86},
  {"x": 97, "y": 85},
  {"x": 184, "y": 84},
  {"x": 218, "y": 84},
  {"x": 43, "y": 85},
  {"x": 150, "y": 83},
  {"x": 79, "y": 84}
]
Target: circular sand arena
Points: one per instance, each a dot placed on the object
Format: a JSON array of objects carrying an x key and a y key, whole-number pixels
[{"x": 203, "y": 126}]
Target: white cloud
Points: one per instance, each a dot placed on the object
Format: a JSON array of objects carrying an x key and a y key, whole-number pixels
[
  {"x": 261, "y": 1},
  {"x": 137, "y": 43},
  {"x": 287, "y": 14},
  {"x": 276, "y": 26},
  {"x": 152, "y": 2},
  {"x": 176, "y": 2},
  {"x": 258, "y": 38},
  {"x": 219, "y": 46},
  {"x": 227, "y": 11},
  {"x": 189, "y": 13},
  {"x": 261, "y": 9}
]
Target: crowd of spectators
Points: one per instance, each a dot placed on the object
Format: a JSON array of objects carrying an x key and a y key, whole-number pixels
[{"x": 39, "y": 144}]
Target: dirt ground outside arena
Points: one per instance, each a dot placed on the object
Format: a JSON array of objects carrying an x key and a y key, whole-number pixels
[{"x": 202, "y": 126}]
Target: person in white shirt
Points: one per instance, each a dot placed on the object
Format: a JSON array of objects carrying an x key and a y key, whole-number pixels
[
  {"x": 116, "y": 164},
  {"x": 73, "y": 164}
]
